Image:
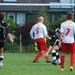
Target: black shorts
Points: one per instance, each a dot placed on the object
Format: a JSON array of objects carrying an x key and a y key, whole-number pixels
[{"x": 1, "y": 45}]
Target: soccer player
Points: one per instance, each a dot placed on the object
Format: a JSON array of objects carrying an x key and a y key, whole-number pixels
[
  {"x": 37, "y": 33},
  {"x": 54, "y": 46},
  {"x": 3, "y": 32},
  {"x": 67, "y": 31}
]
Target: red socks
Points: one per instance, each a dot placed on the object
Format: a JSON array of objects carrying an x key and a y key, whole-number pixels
[
  {"x": 46, "y": 57},
  {"x": 38, "y": 55},
  {"x": 62, "y": 61},
  {"x": 71, "y": 60}
]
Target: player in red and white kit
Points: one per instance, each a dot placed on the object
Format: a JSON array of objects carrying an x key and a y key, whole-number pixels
[
  {"x": 37, "y": 33},
  {"x": 67, "y": 31}
]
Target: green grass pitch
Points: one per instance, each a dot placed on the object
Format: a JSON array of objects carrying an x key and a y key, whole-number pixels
[{"x": 21, "y": 64}]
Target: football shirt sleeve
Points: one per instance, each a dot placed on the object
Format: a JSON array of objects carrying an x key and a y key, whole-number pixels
[
  {"x": 6, "y": 28},
  {"x": 74, "y": 28},
  {"x": 45, "y": 31},
  {"x": 31, "y": 33},
  {"x": 61, "y": 28}
]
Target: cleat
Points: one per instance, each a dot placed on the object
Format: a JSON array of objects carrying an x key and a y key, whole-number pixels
[
  {"x": 59, "y": 63},
  {"x": 35, "y": 61},
  {"x": 62, "y": 69},
  {"x": 54, "y": 63},
  {"x": 71, "y": 68},
  {"x": 48, "y": 61}
]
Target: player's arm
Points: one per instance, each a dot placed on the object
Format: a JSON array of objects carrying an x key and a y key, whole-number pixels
[
  {"x": 46, "y": 33},
  {"x": 60, "y": 38},
  {"x": 31, "y": 33},
  {"x": 8, "y": 34},
  {"x": 74, "y": 28},
  {"x": 48, "y": 37},
  {"x": 10, "y": 37},
  {"x": 61, "y": 35}
]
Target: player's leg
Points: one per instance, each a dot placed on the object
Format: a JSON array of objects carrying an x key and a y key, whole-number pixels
[
  {"x": 58, "y": 58},
  {"x": 1, "y": 57},
  {"x": 37, "y": 57},
  {"x": 72, "y": 56},
  {"x": 54, "y": 57},
  {"x": 1, "y": 53},
  {"x": 55, "y": 54},
  {"x": 62, "y": 61},
  {"x": 71, "y": 62},
  {"x": 45, "y": 49},
  {"x": 64, "y": 48},
  {"x": 47, "y": 57},
  {"x": 40, "y": 52},
  {"x": 41, "y": 45}
]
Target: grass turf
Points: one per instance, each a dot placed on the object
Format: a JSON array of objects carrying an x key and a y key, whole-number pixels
[{"x": 21, "y": 64}]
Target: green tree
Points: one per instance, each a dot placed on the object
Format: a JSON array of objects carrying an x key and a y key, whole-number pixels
[
  {"x": 11, "y": 47},
  {"x": 45, "y": 15},
  {"x": 56, "y": 24},
  {"x": 10, "y": 23}
]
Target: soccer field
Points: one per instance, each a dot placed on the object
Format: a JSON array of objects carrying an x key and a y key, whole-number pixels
[{"x": 21, "y": 64}]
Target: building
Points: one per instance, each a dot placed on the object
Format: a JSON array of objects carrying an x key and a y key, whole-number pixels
[{"x": 21, "y": 14}]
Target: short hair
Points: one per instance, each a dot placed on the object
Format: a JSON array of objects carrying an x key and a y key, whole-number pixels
[
  {"x": 1, "y": 16},
  {"x": 69, "y": 15},
  {"x": 51, "y": 32}
]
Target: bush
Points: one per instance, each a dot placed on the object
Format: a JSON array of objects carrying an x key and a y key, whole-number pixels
[
  {"x": 10, "y": 23},
  {"x": 27, "y": 42},
  {"x": 24, "y": 30},
  {"x": 29, "y": 49},
  {"x": 11, "y": 47},
  {"x": 56, "y": 24}
]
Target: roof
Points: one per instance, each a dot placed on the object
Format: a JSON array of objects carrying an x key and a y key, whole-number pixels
[
  {"x": 36, "y": 1},
  {"x": 32, "y": 8},
  {"x": 20, "y": 8},
  {"x": 60, "y": 10}
]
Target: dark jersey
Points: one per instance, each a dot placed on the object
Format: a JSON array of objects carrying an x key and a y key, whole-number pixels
[
  {"x": 54, "y": 40},
  {"x": 3, "y": 31}
]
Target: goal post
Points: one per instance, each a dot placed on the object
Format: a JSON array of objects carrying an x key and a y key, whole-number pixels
[{"x": 35, "y": 4}]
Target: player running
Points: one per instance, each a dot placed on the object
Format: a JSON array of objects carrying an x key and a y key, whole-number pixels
[
  {"x": 37, "y": 33},
  {"x": 67, "y": 31},
  {"x": 54, "y": 34},
  {"x": 3, "y": 32}
]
